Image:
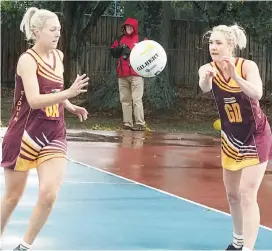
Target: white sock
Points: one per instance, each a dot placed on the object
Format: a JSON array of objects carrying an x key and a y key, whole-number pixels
[
  {"x": 246, "y": 249},
  {"x": 238, "y": 241},
  {"x": 25, "y": 244}
]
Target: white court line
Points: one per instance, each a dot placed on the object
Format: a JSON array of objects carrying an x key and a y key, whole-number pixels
[
  {"x": 97, "y": 182},
  {"x": 130, "y": 249},
  {"x": 158, "y": 190}
]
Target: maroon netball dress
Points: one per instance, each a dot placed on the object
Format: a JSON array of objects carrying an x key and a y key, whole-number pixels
[
  {"x": 36, "y": 135},
  {"x": 245, "y": 132}
]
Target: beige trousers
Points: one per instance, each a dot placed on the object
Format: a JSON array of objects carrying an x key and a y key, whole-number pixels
[{"x": 131, "y": 91}]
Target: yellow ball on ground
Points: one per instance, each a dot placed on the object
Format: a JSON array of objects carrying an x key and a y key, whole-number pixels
[{"x": 217, "y": 125}]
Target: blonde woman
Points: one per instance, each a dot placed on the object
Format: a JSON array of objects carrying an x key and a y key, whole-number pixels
[
  {"x": 245, "y": 135},
  {"x": 36, "y": 135}
]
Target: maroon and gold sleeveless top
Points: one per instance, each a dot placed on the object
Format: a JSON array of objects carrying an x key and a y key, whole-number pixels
[
  {"x": 50, "y": 80},
  {"x": 241, "y": 120}
]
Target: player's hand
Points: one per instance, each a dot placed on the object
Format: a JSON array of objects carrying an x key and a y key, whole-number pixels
[
  {"x": 77, "y": 87},
  {"x": 78, "y": 111},
  {"x": 209, "y": 73},
  {"x": 230, "y": 69}
]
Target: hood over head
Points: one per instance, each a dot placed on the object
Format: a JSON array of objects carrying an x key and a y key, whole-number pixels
[{"x": 134, "y": 23}]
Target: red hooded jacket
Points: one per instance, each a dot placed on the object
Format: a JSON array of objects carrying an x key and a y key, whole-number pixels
[{"x": 123, "y": 66}]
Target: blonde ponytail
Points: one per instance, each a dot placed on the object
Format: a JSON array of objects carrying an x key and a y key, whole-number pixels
[
  {"x": 240, "y": 36},
  {"x": 25, "y": 25},
  {"x": 34, "y": 18}
]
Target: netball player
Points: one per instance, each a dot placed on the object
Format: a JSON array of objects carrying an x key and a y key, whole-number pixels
[
  {"x": 36, "y": 135},
  {"x": 245, "y": 132}
]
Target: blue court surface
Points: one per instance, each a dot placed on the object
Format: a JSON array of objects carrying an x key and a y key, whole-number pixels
[{"x": 100, "y": 211}]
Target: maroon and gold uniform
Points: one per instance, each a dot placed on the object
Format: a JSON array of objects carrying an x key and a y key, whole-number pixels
[
  {"x": 245, "y": 132},
  {"x": 36, "y": 135}
]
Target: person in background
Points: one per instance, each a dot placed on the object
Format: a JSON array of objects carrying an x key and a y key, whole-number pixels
[{"x": 131, "y": 85}]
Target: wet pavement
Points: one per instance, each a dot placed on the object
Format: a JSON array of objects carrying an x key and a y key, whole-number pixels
[
  {"x": 179, "y": 165},
  {"x": 186, "y": 165}
]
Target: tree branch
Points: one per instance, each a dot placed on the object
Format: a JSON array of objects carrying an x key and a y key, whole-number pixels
[
  {"x": 223, "y": 8},
  {"x": 203, "y": 11},
  {"x": 83, "y": 7},
  {"x": 95, "y": 14}
]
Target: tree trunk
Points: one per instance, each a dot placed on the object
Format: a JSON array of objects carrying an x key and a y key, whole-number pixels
[
  {"x": 67, "y": 31},
  {"x": 78, "y": 20},
  {"x": 159, "y": 91},
  {"x": 165, "y": 34}
]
